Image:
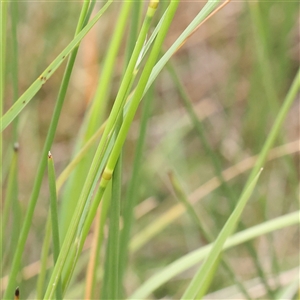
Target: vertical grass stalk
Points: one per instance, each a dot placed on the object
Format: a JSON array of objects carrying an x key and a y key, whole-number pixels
[
  {"x": 98, "y": 108},
  {"x": 111, "y": 281},
  {"x": 44, "y": 261},
  {"x": 94, "y": 266},
  {"x": 15, "y": 68},
  {"x": 183, "y": 198},
  {"x": 198, "y": 284},
  {"x": 3, "y": 19},
  {"x": 8, "y": 208},
  {"x": 132, "y": 192},
  {"x": 54, "y": 217},
  {"x": 290, "y": 97}
]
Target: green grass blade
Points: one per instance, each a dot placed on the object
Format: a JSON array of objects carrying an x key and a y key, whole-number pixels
[
  {"x": 209, "y": 276},
  {"x": 290, "y": 97},
  {"x": 263, "y": 55},
  {"x": 111, "y": 283},
  {"x": 3, "y": 19},
  {"x": 98, "y": 108},
  {"x": 17, "y": 217},
  {"x": 40, "y": 287},
  {"x": 198, "y": 283},
  {"x": 54, "y": 217},
  {"x": 76, "y": 250},
  {"x": 132, "y": 194},
  {"x": 15, "y": 82},
  {"x": 196, "y": 256},
  {"x": 183, "y": 198},
  {"x": 8, "y": 208},
  {"x": 271, "y": 89},
  {"x": 15, "y": 60},
  {"x": 135, "y": 23},
  {"x": 26, "y": 97}
]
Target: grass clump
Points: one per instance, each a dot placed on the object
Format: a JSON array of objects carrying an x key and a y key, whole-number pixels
[{"x": 217, "y": 109}]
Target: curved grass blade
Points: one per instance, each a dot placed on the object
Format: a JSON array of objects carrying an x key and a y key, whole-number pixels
[{"x": 49, "y": 71}]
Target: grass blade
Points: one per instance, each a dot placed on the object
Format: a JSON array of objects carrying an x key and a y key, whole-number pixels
[
  {"x": 54, "y": 217},
  {"x": 94, "y": 262},
  {"x": 9, "y": 204},
  {"x": 44, "y": 261},
  {"x": 290, "y": 97},
  {"x": 198, "y": 283},
  {"x": 131, "y": 196},
  {"x": 111, "y": 281},
  {"x": 103, "y": 89},
  {"x": 3, "y": 19},
  {"x": 183, "y": 198}
]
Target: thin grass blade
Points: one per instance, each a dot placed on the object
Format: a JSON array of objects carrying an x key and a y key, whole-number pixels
[
  {"x": 198, "y": 283},
  {"x": 54, "y": 217}
]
